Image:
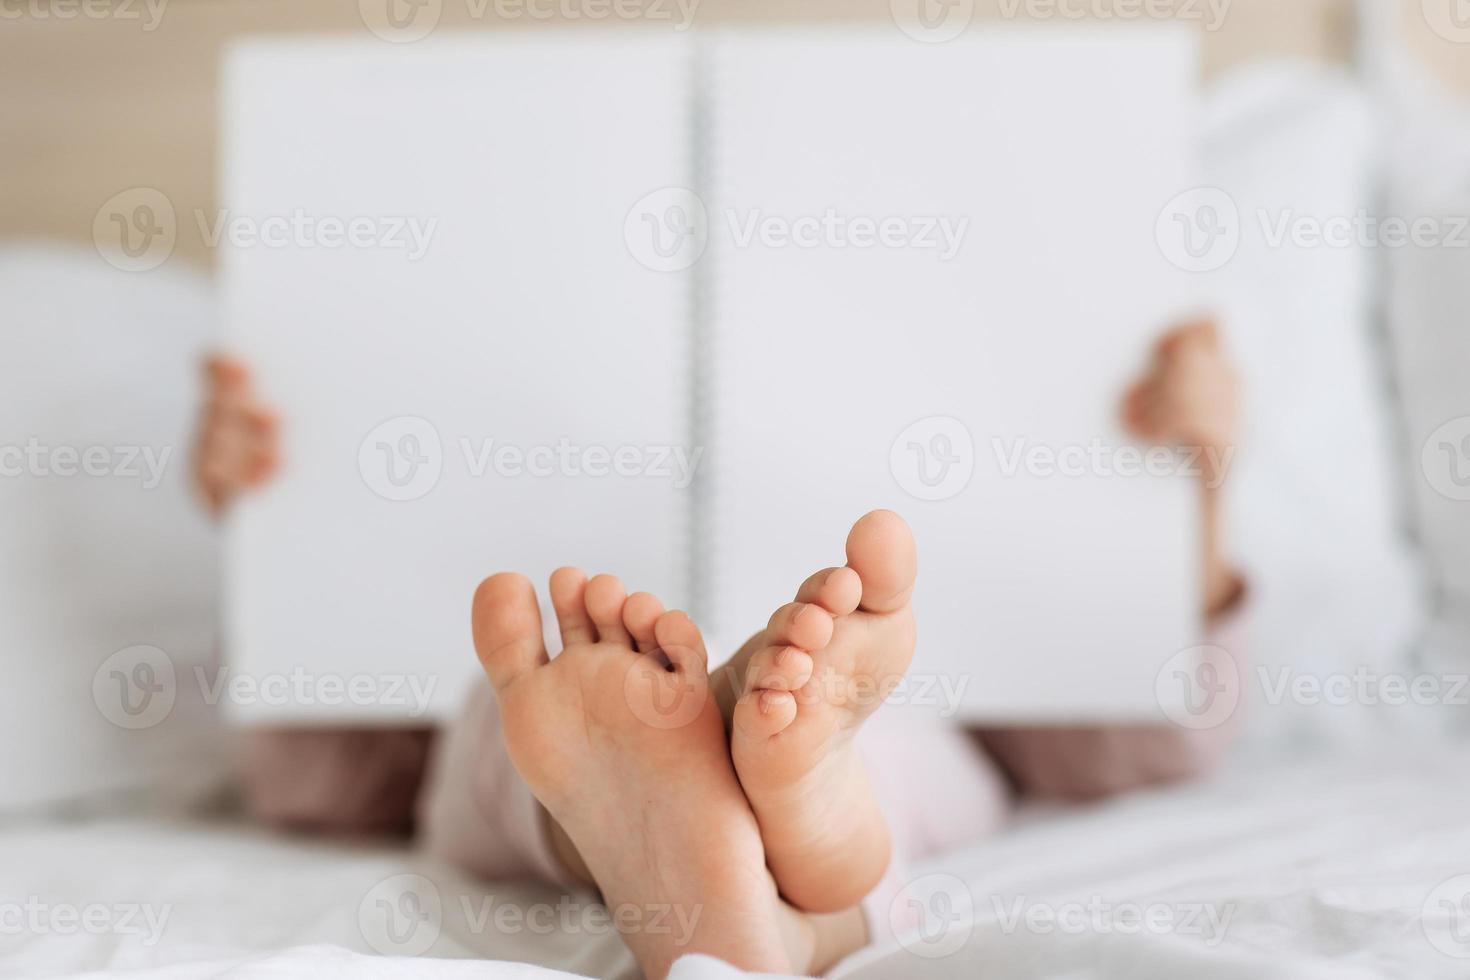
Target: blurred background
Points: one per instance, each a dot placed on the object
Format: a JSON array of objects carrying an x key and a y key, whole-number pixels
[
  {"x": 106, "y": 102},
  {"x": 1348, "y": 511}
]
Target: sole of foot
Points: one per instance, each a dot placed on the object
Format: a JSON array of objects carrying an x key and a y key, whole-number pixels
[{"x": 822, "y": 666}]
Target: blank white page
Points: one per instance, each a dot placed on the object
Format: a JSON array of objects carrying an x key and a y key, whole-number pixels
[
  {"x": 526, "y": 323},
  {"x": 1047, "y": 597}
]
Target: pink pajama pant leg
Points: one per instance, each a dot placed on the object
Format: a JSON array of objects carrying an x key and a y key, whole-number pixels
[
  {"x": 476, "y": 811},
  {"x": 939, "y": 791}
]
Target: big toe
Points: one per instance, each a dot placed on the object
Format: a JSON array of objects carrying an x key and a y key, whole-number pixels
[
  {"x": 507, "y": 627},
  {"x": 880, "y": 548}
]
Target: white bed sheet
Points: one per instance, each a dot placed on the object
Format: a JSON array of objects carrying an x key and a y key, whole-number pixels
[{"x": 1326, "y": 869}]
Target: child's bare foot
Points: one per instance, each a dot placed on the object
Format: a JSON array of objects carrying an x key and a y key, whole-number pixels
[
  {"x": 824, "y": 664},
  {"x": 620, "y": 740}
]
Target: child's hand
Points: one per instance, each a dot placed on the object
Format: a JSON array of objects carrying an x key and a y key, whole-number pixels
[
  {"x": 239, "y": 438},
  {"x": 1189, "y": 397}
]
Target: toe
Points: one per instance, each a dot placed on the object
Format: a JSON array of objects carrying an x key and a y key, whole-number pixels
[
  {"x": 507, "y": 627},
  {"x": 605, "y": 599},
  {"x": 640, "y": 612},
  {"x": 679, "y": 640},
  {"x": 569, "y": 599},
  {"x": 779, "y": 668},
  {"x": 837, "y": 590},
  {"x": 800, "y": 624},
  {"x": 761, "y": 714},
  {"x": 880, "y": 548}
]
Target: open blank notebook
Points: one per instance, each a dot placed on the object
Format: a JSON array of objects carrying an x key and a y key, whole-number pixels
[{"x": 683, "y": 309}]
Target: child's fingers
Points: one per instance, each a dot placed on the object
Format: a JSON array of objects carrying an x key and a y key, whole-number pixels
[
  {"x": 225, "y": 367},
  {"x": 1167, "y": 342},
  {"x": 1204, "y": 330},
  {"x": 1201, "y": 330},
  {"x": 232, "y": 395},
  {"x": 241, "y": 432},
  {"x": 235, "y": 453},
  {"x": 1138, "y": 408},
  {"x": 246, "y": 421},
  {"x": 1179, "y": 401},
  {"x": 223, "y": 477},
  {"x": 260, "y": 467},
  {"x": 223, "y": 372},
  {"x": 262, "y": 423}
]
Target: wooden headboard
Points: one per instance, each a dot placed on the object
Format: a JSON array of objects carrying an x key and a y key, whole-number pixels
[{"x": 94, "y": 105}]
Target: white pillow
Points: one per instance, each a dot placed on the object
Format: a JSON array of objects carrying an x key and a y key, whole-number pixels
[
  {"x": 101, "y": 364},
  {"x": 1313, "y": 503},
  {"x": 1429, "y": 318}
]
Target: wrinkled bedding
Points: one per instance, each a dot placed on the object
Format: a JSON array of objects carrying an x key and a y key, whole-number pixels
[{"x": 1348, "y": 867}]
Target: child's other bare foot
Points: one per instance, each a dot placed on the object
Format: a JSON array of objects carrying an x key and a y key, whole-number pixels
[
  {"x": 620, "y": 740},
  {"x": 821, "y": 667}
]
